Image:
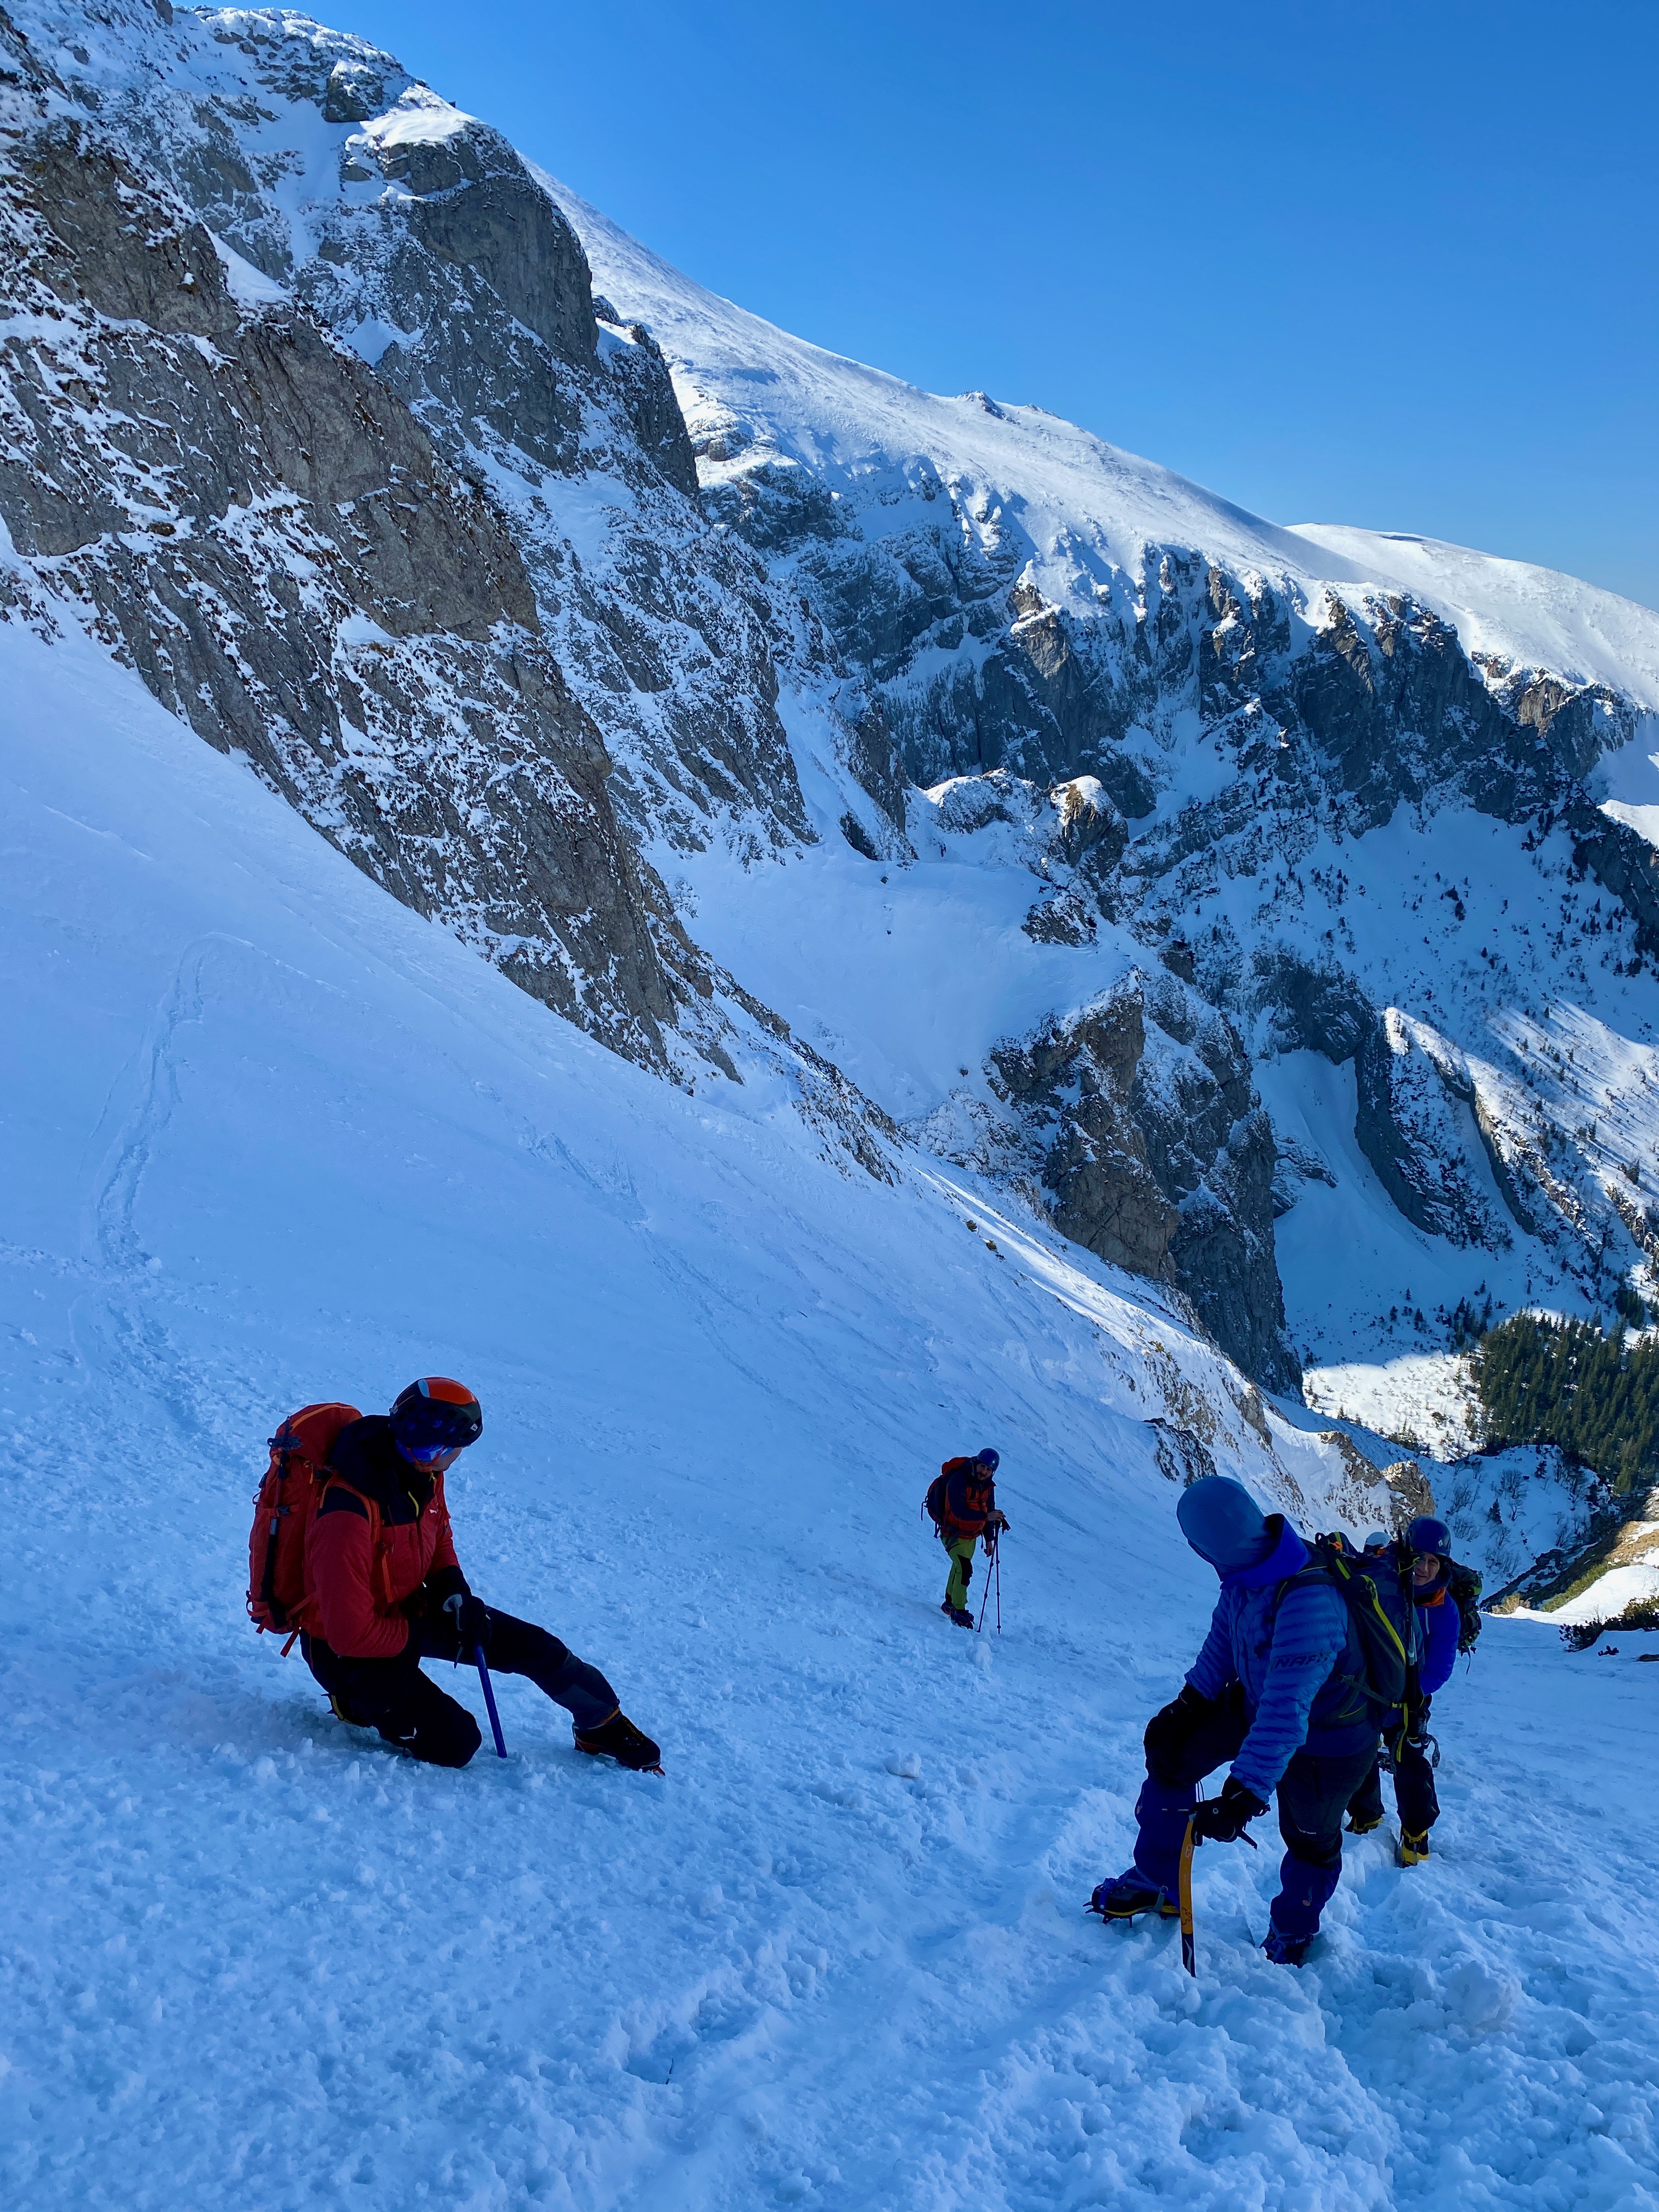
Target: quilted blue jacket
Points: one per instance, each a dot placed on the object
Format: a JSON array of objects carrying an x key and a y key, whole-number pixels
[{"x": 1285, "y": 1664}]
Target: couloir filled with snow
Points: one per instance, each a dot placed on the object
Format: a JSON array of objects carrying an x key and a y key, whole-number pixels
[{"x": 269, "y": 1137}]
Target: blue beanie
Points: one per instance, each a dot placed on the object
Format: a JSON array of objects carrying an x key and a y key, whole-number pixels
[
  {"x": 1427, "y": 1535},
  {"x": 1223, "y": 1524}
]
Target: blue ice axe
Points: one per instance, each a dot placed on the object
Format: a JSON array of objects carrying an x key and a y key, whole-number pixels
[{"x": 489, "y": 1700}]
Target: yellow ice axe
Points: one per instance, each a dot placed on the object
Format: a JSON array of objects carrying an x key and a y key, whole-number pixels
[{"x": 1188, "y": 1948}]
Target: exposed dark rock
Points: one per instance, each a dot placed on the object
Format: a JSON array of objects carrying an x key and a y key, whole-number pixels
[
  {"x": 1089, "y": 824},
  {"x": 858, "y": 836},
  {"x": 1183, "y": 1456},
  {"x": 1157, "y": 1156},
  {"x": 1176, "y": 955},
  {"x": 445, "y": 261},
  {"x": 263, "y": 529},
  {"x": 1076, "y": 1080},
  {"x": 1622, "y": 862},
  {"x": 1313, "y": 1009},
  {"x": 1063, "y": 917}
]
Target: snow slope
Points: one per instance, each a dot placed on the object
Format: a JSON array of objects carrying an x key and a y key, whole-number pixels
[{"x": 270, "y": 1136}]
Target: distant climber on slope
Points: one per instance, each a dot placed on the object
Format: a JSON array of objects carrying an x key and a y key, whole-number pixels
[
  {"x": 1427, "y": 1544},
  {"x": 383, "y": 1589},
  {"x": 1277, "y": 1690},
  {"x": 962, "y": 1500}
]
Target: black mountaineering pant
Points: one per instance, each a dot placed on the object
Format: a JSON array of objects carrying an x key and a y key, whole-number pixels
[
  {"x": 1312, "y": 1791},
  {"x": 409, "y": 1709},
  {"x": 1413, "y": 1793}
]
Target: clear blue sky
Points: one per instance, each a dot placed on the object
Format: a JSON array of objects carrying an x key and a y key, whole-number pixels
[{"x": 1395, "y": 265}]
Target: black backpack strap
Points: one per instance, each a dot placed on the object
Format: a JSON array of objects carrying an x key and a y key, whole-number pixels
[{"x": 281, "y": 1443}]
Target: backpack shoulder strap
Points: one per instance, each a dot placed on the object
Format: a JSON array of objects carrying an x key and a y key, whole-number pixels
[{"x": 336, "y": 1495}]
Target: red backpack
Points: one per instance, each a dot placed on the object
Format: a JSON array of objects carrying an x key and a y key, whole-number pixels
[
  {"x": 277, "y": 1597},
  {"x": 978, "y": 1490}
]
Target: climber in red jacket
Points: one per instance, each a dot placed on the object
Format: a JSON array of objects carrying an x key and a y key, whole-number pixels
[{"x": 389, "y": 1592}]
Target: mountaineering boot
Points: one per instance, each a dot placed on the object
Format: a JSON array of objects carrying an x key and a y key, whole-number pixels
[
  {"x": 1364, "y": 1828},
  {"x": 1413, "y": 1849},
  {"x": 1287, "y": 1950},
  {"x": 618, "y": 1739},
  {"x": 349, "y": 1714},
  {"x": 960, "y": 1614},
  {"x": 1129, "y": 1896}
]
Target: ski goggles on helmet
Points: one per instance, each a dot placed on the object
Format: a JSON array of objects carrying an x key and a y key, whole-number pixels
[
  {"x": 434, "y": 1417},
  {"x": 428, "y": 1455}
]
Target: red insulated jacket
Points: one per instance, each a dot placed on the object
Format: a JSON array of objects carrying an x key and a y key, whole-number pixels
[
  {"x": 380, "y": 1529},
  {"x": 968, "y": 1499}
]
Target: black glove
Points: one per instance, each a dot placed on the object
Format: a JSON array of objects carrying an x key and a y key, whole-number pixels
[
  {"x": 1168, "y": 1728},
  {"x": 470, "y": 1617},
  {"x": 1223, "y": 1819}
]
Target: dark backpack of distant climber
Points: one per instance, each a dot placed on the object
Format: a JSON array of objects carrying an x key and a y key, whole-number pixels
[
  {"x": 351, "y": 1551},
  {"x": 961, "y": 1503}
]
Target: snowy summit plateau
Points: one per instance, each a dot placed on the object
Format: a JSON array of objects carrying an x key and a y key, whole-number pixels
[{"x": 787, "y": 929}]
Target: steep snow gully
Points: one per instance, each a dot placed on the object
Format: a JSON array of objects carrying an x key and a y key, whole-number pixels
[{"x": 270, "y": 1136}]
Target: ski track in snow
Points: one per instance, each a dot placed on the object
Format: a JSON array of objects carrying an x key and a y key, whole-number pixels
[{"x": 280, "y": 1138}]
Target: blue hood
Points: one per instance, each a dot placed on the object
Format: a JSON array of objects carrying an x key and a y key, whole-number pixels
[
  {"x": 1288, "y": 1557},
  {"x": 1223, "y": 1524}
]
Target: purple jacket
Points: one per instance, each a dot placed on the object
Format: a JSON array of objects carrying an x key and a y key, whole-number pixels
[{"x": 1437, "y": 1622}]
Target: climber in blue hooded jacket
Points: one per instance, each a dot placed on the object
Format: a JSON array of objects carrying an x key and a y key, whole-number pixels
[{"x": 1278, "y": 1691}]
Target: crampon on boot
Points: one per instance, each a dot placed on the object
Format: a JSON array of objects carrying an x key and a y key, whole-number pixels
[
  {"x": 349, "y": 1714},
  {"x": 961, "y": 1617},
  {"x": 1131, "y": 1895},
  {"x": 1287, "y": 1950},
  {"x": 1364, "y": 1827},
  {"x": 1413, "y": 1849},
  {"x": 618, "y": 1739}
]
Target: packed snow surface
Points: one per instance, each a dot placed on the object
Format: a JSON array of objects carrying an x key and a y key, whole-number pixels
[{"x": 270, "y": 1137}]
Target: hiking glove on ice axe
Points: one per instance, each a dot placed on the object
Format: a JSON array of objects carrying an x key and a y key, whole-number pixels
[
  {"x": 1223, "y": 1819},
  {"x": 472, "y": 1618}
]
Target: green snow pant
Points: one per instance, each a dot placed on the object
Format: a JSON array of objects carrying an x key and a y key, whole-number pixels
[{"x": 961, "y": 1549}]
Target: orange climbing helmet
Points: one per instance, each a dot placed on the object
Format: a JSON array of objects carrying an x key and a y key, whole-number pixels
[{"x": 435, "y": 1416}]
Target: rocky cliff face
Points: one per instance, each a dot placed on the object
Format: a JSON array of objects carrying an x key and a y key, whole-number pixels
[
  {"x": 1152, "y": 1150},
  {"x": 270, "y": 536},
  {"x": 422, "y": 240}
]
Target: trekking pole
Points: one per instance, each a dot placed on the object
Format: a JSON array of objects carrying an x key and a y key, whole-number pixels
[
  {"x": 999, "y": 1569},
  {"x": 983, "y": 1602},
  {"x": 489, "y": 1700},
  {"x": 1188, "y": 1944}
]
